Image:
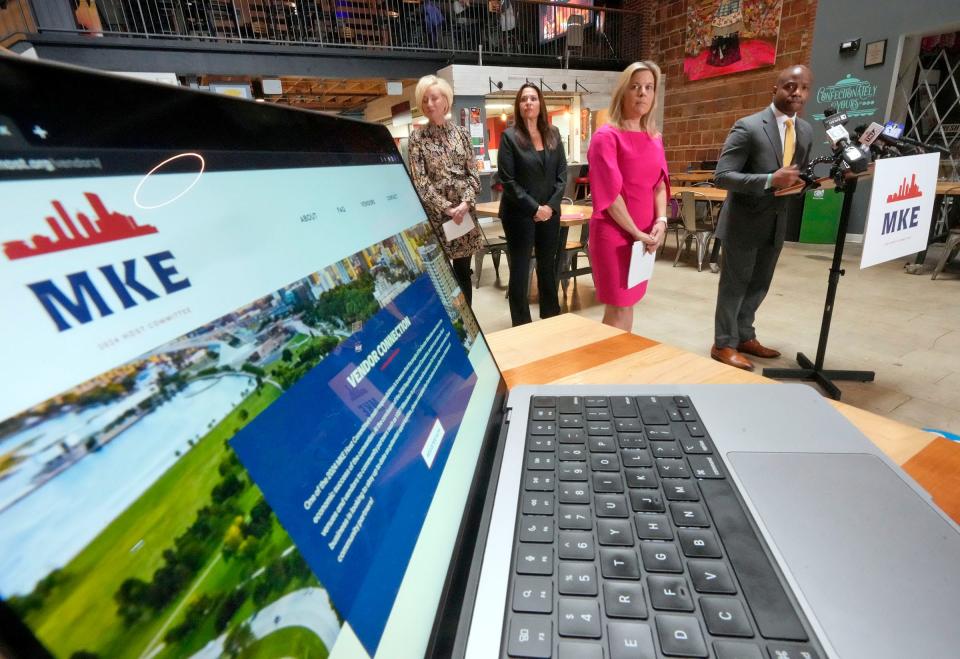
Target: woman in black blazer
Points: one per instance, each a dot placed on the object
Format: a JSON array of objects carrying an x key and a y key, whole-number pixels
[{"x": 533, "y": 169}]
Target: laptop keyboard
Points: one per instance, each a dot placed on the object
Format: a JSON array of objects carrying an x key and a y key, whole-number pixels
[{"x": 631, "y": 542}]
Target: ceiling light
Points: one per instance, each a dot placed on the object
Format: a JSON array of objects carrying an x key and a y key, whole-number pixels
[{"x": 503, "y": 116}]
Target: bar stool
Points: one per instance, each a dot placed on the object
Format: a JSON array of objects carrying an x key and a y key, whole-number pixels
[{"x": 582, "y": 191}]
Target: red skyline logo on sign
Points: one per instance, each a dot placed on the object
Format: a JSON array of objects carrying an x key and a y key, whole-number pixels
[
  {"x": 906, "y": 191},
  {"x": 107, "y": 226}
]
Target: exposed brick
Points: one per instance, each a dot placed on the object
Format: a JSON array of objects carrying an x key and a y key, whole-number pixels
[{"x": 698, "y": 114}]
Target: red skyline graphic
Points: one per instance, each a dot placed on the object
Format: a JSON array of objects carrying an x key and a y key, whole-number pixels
[
  {"x": 906, "y": 191},
  {"x": 107, "y": 227}
]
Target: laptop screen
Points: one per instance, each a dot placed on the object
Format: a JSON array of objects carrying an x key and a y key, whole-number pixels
[{"x": 243, "y": 397}]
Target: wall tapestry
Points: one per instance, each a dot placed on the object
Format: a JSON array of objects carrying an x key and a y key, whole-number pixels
[{"x": 729, "y": 36}]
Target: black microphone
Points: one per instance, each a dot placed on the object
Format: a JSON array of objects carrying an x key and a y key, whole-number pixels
[
  {"x": 914, "y": 145},
  {"x": 878, "y": 148},
  {"x": 851, "y": 155}
]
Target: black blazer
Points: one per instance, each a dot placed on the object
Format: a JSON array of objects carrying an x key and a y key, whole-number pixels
[{"x": 528, "y": 179}]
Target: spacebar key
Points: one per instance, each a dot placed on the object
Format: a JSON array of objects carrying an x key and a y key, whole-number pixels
[{"x": 776, "y": 618}]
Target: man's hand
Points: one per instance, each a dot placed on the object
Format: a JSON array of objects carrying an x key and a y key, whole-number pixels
[
  {"x": 543, "y": 214},
  {"x": 785, "y": 177}
]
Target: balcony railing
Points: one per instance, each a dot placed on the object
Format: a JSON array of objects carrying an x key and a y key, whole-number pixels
[{"x": 475, "y": 27}]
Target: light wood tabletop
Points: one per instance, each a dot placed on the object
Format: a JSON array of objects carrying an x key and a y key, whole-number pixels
[
  {"x": 571, "y": 215},
  {"x": 692, "y": 177},
  {"x": 710, "y": 194},
  {"x": 571, "y": 349}
]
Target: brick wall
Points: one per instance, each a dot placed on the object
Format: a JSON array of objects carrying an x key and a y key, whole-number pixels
[{"x": 698, "y": 114}]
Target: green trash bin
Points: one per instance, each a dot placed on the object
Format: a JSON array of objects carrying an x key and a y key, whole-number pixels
[{"x": 821, "y": 216}]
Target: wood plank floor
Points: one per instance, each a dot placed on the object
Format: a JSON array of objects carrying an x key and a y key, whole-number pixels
[{"x": 905, "y": 327}]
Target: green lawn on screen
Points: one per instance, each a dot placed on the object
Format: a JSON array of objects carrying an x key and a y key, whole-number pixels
[
  {"x": 81, "y": 614},
  {"x": 287, "y": 642}
]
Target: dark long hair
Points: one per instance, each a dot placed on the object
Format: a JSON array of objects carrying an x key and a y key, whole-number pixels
[{"x": 547, "y": 133}]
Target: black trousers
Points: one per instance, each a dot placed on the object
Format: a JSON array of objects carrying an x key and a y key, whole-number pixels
[
  {"x": 543, "y": 238},
  {"x": 744, "y": 281},
  {"x": 462, "y": 273}
]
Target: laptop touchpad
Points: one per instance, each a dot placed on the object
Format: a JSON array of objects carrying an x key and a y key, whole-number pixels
[{"x": 879, "y": 567}]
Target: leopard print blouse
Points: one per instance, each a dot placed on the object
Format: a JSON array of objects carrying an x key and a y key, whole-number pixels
[{"x": 441, "y": 164}]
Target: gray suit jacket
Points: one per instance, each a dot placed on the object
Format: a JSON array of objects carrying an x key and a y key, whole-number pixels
[{"x": 752, "y": 216}]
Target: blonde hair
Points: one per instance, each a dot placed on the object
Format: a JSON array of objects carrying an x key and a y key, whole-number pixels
[
  {"x": 425, "y": 83},
  {"x": 648, "y": 121}
]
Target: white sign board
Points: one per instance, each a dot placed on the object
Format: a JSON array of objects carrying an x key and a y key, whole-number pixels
[{"x": 901, "y": 205}]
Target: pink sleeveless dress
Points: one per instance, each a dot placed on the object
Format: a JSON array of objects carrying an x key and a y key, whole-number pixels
[{"x": 629, "y": 164}]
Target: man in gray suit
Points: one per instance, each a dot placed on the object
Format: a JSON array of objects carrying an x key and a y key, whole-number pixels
[{"x": 761, "y": 155}]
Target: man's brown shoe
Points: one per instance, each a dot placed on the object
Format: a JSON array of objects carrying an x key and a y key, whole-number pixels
[
  {"x": 753, "y": 347},
  {"x": 731, "y": 357}
]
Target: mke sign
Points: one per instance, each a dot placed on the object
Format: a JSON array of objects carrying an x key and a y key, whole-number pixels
[{"x": 901, "y": 206}]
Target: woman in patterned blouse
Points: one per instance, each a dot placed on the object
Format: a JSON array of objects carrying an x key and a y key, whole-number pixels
[{"x": 441, "y": 164}]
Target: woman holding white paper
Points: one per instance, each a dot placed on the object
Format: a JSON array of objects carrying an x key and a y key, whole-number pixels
[
  {"x": 533, "y": 169},
  {"x": 630, "y": 185},
  {"x": 441, "y": 165}
]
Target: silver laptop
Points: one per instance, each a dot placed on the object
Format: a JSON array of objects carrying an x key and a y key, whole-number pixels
[{"x": 246, "y": 412}]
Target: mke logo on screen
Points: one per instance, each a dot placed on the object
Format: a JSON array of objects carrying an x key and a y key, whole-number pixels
[
  {"x": 107, "y": 227},
  {"x": 106, "y": 288},
  {"x": 902, "y": 218}
]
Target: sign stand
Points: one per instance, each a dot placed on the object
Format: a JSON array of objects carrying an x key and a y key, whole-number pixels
[{"x": 814, "y": 371}]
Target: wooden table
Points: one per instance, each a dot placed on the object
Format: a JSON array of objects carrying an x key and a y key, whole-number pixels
[
  {"x": 570, "y": 349},
  {"x": 571, "y": 215},
  {"x": 696, "y": 176},
  {"x": 709, "y": 194},
  {"x": 948, "y": 187}
]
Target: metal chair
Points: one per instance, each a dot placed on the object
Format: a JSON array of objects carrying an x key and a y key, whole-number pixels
[
  {"x": 695, "y": 226},
  {"x": 494, "y": 248},
  {"x": 950, "y": 248},
  {"x": 571, "y": 251},
  {"x": 674, "y": 223}
]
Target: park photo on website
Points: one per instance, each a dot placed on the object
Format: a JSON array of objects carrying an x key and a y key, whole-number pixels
[{"x": 251, "y": 486}]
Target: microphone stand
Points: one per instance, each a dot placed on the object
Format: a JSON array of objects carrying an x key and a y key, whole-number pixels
[{"x": 814, "y": 371}]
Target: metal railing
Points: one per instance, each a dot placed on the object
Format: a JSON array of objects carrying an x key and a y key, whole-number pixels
[{"x": 500, "y": 27}]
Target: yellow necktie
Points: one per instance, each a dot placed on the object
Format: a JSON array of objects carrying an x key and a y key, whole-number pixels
[{"x": 789, "y": 143}]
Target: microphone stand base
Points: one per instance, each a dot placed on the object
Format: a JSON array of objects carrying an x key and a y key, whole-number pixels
[{"x": 823, "y": 377}]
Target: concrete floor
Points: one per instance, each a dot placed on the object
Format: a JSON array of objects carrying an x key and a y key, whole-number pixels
[{"x": 904, "y": 327}]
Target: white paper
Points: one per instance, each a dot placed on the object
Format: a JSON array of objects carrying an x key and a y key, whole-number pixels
[
  {"x": 452, "y": 230},
  {"x": 641, "y": 264}
]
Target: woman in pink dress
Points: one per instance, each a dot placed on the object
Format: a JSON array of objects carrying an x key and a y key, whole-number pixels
[{"x": 629, "y": 184}]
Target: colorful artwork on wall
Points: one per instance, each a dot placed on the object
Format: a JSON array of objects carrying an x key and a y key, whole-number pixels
[{"x": 730, "y": 36}]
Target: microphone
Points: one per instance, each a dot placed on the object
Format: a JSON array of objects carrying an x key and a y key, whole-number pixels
[
  {"x": 888, "y": 142},
  {"x": 908, "y": 143},
  {"x": 851, "y": 154},
  {"x": 870, "y": 137}
]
